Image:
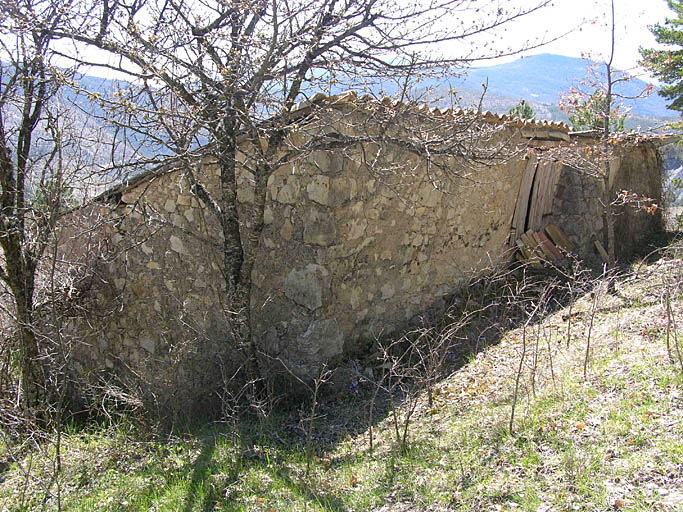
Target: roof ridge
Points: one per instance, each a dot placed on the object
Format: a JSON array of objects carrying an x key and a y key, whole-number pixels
[{"x": 351, "y": 97}]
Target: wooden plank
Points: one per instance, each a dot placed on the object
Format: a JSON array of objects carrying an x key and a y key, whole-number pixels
[
  {"x": 529, "y": 255},
  {"x": 551, "y": 247},
  {"x": 535, "y": 209},
  {"x": 602, "y": 251},
  {"x": 527, "y": 242},
  {"x": 559, "y": 238},
  {"x": 547, "y": 177},
  {"x": 546, "y": 251},
  {"x": 522, "y": 205},
  {"x": 526, "y": 253},
  {"x": 532, "y": 243},
  {"x": 513, "y": 237}
]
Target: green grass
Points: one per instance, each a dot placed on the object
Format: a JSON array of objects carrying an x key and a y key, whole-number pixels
[{"x": 612, "y": 442}]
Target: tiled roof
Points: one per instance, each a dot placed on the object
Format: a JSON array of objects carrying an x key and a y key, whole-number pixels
[
  {"x": 542, "y": 130},
  {"x": 352, "y": 98}
]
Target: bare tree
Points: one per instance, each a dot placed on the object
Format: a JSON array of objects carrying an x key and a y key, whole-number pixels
[
  {"x": 33, "y": 185},
  {"x": 599, "y": 112},
  {"x": 229, "y": 75},
  {"x": 50, "y": 156}
]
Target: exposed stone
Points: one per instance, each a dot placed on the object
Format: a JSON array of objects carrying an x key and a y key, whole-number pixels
[
  {"x": 323, "y": 339},
  {"x": 177, "y": 244},
  {"x": 130, "y": 197},
  {"x": 289, "y": 193},
  {"x": 342, "y": 189},
  {"x": 318, "y": 189},
  {"x": 245, "y": 194},
  {"x": 286, "y": 230},
  {"x": 170, "y": 205},
  {"x": 306, "y": 286},
  {"x": 148, "y": 344},
  {"x": 356, "y": 228},
  {"x": 319, "y": 228},
  {"x": 184, "y": 200},
  {"x": 387, "y": 291}
]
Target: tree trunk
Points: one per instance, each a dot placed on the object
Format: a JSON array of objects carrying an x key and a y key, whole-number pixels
[
  {"x": 32, "y": 374},
  {"x": 608, "y": 221},
  {"x": 611, "y": 240},
  {"x": 238, "y": 258}
]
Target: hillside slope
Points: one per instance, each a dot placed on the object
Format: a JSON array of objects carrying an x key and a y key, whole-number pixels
[{"x": 610, "y": 441}]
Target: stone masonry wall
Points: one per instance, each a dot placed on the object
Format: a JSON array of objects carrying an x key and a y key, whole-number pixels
[
  {"x": 348, "y": 254},
  {"x": 577, "y": 205},
  {"x": 150, "y": 320},
  {"x": 347, "y": 258}
]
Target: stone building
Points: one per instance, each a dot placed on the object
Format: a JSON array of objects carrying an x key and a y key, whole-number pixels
[{"x": 351, "y": 251}]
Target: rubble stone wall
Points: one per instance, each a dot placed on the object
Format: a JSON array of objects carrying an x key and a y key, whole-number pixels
[
  {"x": 347, "y": 255},
  {"x": 150, "y": 319},
  {"x": 347, "y": 258},
  {"x": 577, "y": 204}
]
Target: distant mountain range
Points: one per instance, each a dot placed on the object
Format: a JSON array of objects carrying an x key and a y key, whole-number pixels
[
  {"x": 538, "y": 79},
  {"x": 541, "y": 80}
]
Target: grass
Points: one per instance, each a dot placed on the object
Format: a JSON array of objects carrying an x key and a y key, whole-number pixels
[{"x": 611, "y": 442}]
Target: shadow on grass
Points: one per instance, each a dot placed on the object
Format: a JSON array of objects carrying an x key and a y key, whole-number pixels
[
  {"x": 309, "y": 493},
  {"x": 344, "y": 411},
  {"x": 203, "y": 468},
  {"x": 482, "y": 314}
]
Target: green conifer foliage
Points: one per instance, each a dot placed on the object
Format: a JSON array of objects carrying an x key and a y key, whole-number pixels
[
  {"x": 522, "y": 110},
  {"x": 667, "y": 64}
]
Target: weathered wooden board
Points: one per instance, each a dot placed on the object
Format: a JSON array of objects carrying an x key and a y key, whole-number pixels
[
  {"x": 551, "y": 247},
  {"x": 530, "y": 239},
  {"x": 546, "y": 250},
  {"x": 547, "y": 177},
  {"x": 528, "y": 254},
  {"x": 529, "y": 243},
  {"x": 559, "y": 238},
  {"x": 522, "y": 205}
]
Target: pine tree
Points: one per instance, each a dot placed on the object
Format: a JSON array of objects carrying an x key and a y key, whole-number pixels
[
  {"x": 667, "y": 65},
  {"x": 522, "y": 110}
]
